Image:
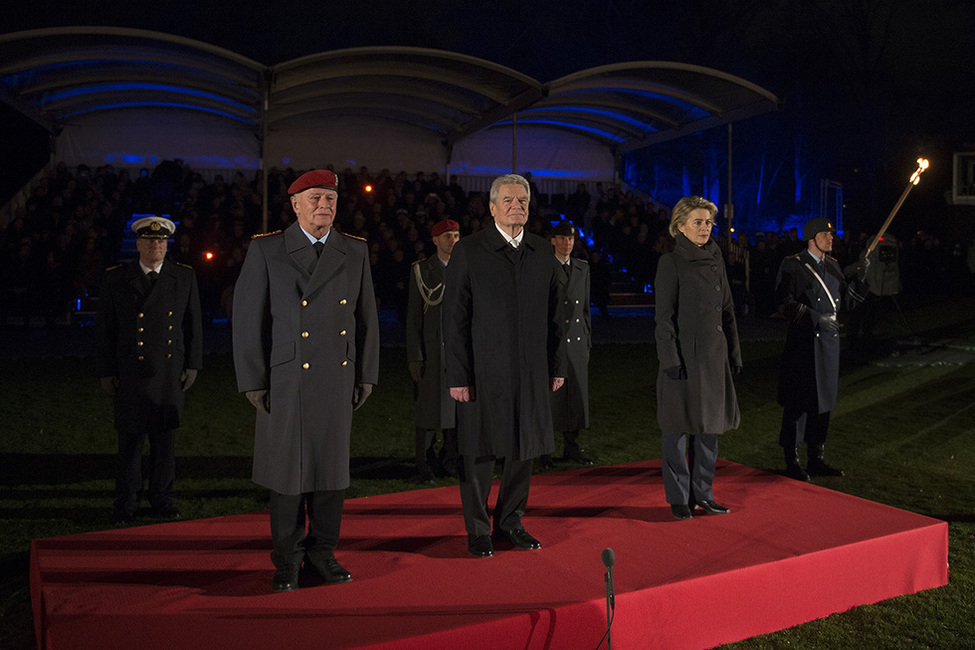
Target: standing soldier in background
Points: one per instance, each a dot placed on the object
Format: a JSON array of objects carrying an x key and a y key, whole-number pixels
[
  {"x": 306, "y": 352},
  {"x": 809, "y": 290},
  {"x": 433, "y": 408},
  {"x": 570, "y": 404},
  {"x": 151, "y": 348}
]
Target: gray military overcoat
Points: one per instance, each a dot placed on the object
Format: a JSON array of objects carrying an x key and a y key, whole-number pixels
[
  {"x": 433, "y": 407},
  {"x": 810, "y": 371},
  {"x": 307, "y": 329},
  {"x": 570, "y": 404}
]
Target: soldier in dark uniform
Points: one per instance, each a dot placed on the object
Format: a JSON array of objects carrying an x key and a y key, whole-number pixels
[
  {"x": 809, "y": 291},
  {"x": 150, "y": 348},
  {"x": 433, "y": 407},
  {"x": 570, "y": 404},
  {"x": 504, "y": 352},
  {"x": 306, "y": 352}
]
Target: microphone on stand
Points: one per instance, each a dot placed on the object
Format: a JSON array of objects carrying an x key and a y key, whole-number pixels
[{"x": 609, "y": 559}]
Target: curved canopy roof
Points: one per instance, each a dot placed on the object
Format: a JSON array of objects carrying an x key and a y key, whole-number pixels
[{"x": 55, "y": 75}]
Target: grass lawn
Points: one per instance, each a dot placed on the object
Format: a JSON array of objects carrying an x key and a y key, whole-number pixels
[{"x": 904, "y": 435}]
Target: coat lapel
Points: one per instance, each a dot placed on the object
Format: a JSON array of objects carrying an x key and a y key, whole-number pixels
[
  {"x": 135, "y": 278},
  {"x": 329, "y": 264},
  {"x": 300, "y": 249}
]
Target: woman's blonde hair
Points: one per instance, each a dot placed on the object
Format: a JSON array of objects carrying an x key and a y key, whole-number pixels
[{"x": 684, "y": 207}]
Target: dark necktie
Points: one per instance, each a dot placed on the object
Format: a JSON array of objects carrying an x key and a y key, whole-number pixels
[
  {"x": 566, "y": 267},
  {"x": 318, "y": 248},
  {"x": 151, "y": 277}
]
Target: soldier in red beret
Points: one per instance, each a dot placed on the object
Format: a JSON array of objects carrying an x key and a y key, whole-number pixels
[
  {"x": 306, "y": 351},
  {"x": 433, "y": 408}
]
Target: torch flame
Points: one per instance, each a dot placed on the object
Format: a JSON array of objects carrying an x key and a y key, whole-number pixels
[{"x": 922, "y": 164}]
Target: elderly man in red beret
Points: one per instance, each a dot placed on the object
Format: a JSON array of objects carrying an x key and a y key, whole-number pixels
[
  {"x": 306, "y": 352},
  {"x": 433, "y": 408}
]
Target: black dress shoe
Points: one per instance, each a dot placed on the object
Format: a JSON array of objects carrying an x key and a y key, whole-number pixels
[
  {"x": 286, "y": 577},
  {"x": 122, "y": 517},
  {"x": 681, "y": 511},
  {"x": 712, "y": 508},
  {"x": 819, "y": 467},
  {"x": 796, "y": 472},
  {"x": 520, "y": 539},
  {"x": 576, "y": 456},
  {"x": 165, "y": 512},
  {"x": 329, "y": 569},
  {"x": 480, "y": 545}
]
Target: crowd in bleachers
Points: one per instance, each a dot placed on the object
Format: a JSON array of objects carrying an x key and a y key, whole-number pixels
[{"x": 73, "y": 225}]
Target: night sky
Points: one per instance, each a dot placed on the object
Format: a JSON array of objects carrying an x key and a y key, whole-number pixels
[{"x": 868, "y": 85}]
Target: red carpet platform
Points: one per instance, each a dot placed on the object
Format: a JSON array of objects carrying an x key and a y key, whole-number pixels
[{"x": 788, "y": 553}]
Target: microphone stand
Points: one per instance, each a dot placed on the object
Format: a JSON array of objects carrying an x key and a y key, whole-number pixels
[{"x": 609, "y": 559}]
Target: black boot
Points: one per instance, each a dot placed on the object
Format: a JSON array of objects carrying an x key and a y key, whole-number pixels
[
  {"x": 817, "y": 466},
  {"x": 792, "y": 467}
]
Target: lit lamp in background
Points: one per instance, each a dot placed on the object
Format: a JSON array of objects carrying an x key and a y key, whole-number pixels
[
  {"x": 208, "y": 255},
  {"x": 368, "y": 188}
]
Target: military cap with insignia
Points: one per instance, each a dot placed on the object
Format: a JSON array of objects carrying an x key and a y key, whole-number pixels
[
  {"x": 154, "y": 228},
  {"x": 321, "y": 178},
  {"x": 564, "y": 229}
]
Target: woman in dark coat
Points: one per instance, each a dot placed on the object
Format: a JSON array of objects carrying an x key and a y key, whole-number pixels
[{"x": 697, "y": 344}]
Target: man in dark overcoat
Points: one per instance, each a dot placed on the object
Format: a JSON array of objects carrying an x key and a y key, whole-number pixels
[
  {"x": 150, "y": 348},
  {"x": 504, "y": 352},
  {"x": 306, "y": 352},
  {"x": 570, "y": 404},
  {"x": 433, "y": 407},
  {"x": 809, "y": 291}
]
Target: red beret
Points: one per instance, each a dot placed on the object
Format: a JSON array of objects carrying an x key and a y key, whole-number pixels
[
  {"x": 315, "y": 178},
  {"x": 445, "y": 226}
]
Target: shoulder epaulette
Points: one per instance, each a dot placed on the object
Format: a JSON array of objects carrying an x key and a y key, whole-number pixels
[
  {"x": 112, "y": 268},
  {"x": 579, "y": 259},
  {"x": 185, "y": 266},
  {"x": 830, "y": 257},
  {"x": 266, "y": 234},
  {"x": 354, "y": 237}
]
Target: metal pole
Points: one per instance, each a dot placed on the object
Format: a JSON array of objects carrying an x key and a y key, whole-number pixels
[
  {"x": 730, "y": 209},
  {"x": 264, "y": 186},
  {"x": 514, "y": 143}
]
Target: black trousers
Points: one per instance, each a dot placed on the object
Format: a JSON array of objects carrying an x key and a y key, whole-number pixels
[
  {"x": 475, "y": 487},
  {"x": 800, "y": 424},
  {"x": 691, "y": 473},
  {"x": 128, "y": 470},
  {"x": 425, "y": 440},
  {"x": 323, "y": 512}
]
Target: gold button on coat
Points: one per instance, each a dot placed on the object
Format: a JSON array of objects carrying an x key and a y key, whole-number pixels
[{"x": 305, "y": 365}]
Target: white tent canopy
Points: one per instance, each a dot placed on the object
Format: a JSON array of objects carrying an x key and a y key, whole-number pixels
[{"x": 133, "y": 98}]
